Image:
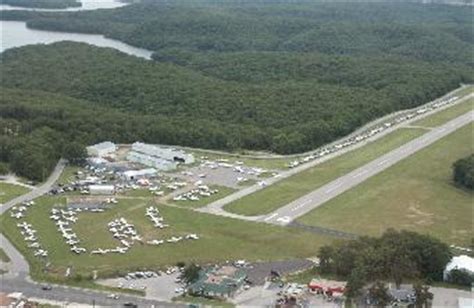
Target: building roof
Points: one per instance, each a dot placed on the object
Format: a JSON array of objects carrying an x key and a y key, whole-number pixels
[
  {"x": 102, "y": 187},
  {"x": 462, "y": 263},
  {"x": 219, "y": 280},
  {"x": 130, "y": 173},
  {"x": 103, "y": 145}
]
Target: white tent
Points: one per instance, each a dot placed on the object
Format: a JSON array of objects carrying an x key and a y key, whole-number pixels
[{"x": 463, "y": 263}]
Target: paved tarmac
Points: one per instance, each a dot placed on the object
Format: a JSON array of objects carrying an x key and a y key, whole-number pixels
[{"x": 309, "y": 202}]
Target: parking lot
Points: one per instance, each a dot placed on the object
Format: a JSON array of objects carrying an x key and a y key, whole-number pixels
[{"x": 161, "y": 287}]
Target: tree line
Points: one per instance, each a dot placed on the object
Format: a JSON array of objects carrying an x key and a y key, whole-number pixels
[
  {"x": 463, "y": 172},
  {"x": 397, "y": 256}
]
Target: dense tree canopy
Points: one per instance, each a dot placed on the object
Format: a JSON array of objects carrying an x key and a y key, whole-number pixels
[
  {"x": 395, "y": 256},
  {"x": 284, "y": 77},
  {"x": 463, "y": 172}
]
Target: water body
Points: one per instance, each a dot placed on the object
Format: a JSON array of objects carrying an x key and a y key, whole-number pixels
[
  {"x": 86, "y": 5},
  {"x": 16, "y": 34}
]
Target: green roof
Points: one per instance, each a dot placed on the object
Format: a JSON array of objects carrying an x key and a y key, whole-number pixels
[{"x": 218, "y": 281}]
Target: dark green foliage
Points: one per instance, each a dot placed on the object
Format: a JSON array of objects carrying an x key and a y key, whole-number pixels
[
  {"x": 46, "y": 4},
  {"x": 378, "y": 292},
  {"x": 75, "y": 153},
  {"x": 463, "y": 172},
  {"x": 4, "y": 169},
  {"x": 460, "y": 277},
  {"x": 423, "y": 295},
  {"x": 191, "y": 273},
  {"x": 285, "y": 77},
  {"x": 395, "y": 256}
]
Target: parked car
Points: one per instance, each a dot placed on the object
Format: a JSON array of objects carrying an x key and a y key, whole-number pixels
[
  {"x": 46, "y": 287},
  {"x": 113, "y": 296}
]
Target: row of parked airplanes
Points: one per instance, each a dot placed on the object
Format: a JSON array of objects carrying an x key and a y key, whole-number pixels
[
  {"x": 355, "y": 139},
  {"x": 19, "y": 212},
  {"x": 29, "y": 235},
  {"x": 195, "y": 194},
  {"x": 64, "y": 219}
]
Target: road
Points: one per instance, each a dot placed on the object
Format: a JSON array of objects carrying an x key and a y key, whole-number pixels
[
  {"x": 75, "y": 295},
  {"x": 309, "y": 202},
  {"x": 38, "y": 191},
  {"x": 217, "y": 207}
]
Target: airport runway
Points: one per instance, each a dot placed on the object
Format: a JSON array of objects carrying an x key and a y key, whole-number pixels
[
  {"x": 309, "y": 202},
  {"x": 217, "y": 207}
]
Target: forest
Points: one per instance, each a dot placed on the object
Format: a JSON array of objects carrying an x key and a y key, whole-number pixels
[
  {"x": 463, "y": 172},
  {"x": 43, "y": 4},
  {"x": 396, "y": 256},
  {"x": 285, "y": 78}
]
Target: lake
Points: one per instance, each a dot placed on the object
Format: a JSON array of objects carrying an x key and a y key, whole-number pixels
[{"x": 16, "y": 34}]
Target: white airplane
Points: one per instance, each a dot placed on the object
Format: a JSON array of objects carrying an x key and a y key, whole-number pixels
[
  {"x": 155, "y": 242},
  {"x": 192, "y": 236},
  {"x": 17, "y": 215},
  {"x": 34, "y": 245},
  {"x": 98, "y": 251},
  {"x": 72, "y": 242}
]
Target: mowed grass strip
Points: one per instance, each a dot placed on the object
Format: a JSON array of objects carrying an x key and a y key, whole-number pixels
[
  {"x": 221, "y": 239},
  {"x": 446, "y": 115},
  {"x": 10, "y": 191},
  {"x": 3, "y": 256},
  {"x": 287, "y": 190},
  {"x": 416, "y": 194},
  {"x": 203, "y": 201}
]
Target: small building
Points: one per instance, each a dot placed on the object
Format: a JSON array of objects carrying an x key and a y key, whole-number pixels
[
  {"x": 101, "y": 149},
  {"x": 218, "y": 282},
  {"x": 131, "y": 175},
  {"x": 462, "y": 263},
  {"x": 101, "y": 189}
]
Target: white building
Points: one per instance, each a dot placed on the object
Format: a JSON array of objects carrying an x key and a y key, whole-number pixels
[
  {"x": 139, "y": 174},
  {"x": 101, "y": 189},
  {"x": 163, "y": 153},
  {"x": 101, "y": 149},
  {"x": 152, "y": 161},
  {"x": 462, "y": 263}
]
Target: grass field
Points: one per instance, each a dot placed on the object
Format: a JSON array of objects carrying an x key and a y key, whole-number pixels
[
  {"x": 444, "y": 116},
  {"x": 220, "y": 239},
  {"x": 223, "y": 191},
  {"x": 10, "y": 191},
  {"x": 416, "y": 194},
  {"x": 3, "y": 256},
  {"x": 287, "y": 190}
]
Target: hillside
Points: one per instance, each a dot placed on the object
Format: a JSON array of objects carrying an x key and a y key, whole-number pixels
[{"x": 283, "y": 77}]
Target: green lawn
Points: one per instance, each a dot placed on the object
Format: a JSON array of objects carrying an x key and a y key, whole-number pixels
[
  {"x": 221, "y": 239},
  {"x": 10, "y": 191},
  {"x": 68, "y": 175},
  {"x": 287, "y": 190},
  {"x": 444, "y": 116},
  {"x": 223, "y": 191},
  {"x": 3, "y": 256},
  {"x": 416, "y": 194}
]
